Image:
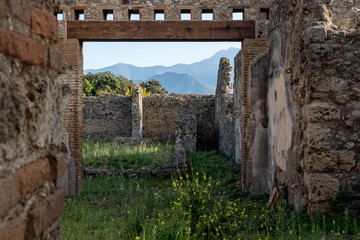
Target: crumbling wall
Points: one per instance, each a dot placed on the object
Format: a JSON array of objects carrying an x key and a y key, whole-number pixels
[
  {"x": 107, "y": 117},
  {"x": 161, "y": 112},
  {"x": 312, "y": 102},
  {"x": 224, "y": 102},
  {"x": 30, "y": 121},
  {"x": 185, "y": 138}
]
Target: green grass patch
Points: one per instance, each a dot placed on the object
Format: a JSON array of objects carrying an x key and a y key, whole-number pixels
[
  {"x": 205, "y": 203},
  {"x": 114, "y": 156}
]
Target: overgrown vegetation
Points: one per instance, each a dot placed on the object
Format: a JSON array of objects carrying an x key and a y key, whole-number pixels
[
  {"x": 205, "y": 203},
  {"x": 97, "y": 84},
  {"x": 115, "y": 156}
]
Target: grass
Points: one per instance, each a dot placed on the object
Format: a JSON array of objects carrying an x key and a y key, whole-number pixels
[
  {"x": 205, "y": 203},
  {"x": 115, "y": 156}
]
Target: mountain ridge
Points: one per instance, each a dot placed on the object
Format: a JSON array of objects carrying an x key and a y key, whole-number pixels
[{"x": 203, "y": 73}]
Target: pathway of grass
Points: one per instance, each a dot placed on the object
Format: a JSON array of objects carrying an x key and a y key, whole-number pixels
[{"x": 206, "y": 203}]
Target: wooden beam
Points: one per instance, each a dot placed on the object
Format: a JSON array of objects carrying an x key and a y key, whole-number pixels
[{"x": 161, "y": 30}]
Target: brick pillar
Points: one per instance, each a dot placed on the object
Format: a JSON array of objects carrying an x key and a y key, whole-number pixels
[
  {"x": 137, "y": 112},
  {"x": 72, "y": 76},
  {"x": 251, "y": 49}
]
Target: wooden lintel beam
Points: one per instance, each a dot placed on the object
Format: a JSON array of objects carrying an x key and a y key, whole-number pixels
[{"x": 161, "y": 30}]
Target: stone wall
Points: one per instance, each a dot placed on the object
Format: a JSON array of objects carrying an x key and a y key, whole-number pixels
[
  {"x": 107, "y": 117},
  {"x": 222, "y": 10},
  {"x": 307, "y": 125},
  {"x": 30, "y": 121},
  {"x": 224, "y": 102},
  {"x": 111, "y": 116},
  {"x": 161, "y": 112}
]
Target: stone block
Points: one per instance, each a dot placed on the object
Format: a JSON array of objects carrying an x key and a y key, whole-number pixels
[
  {"x": 27, "y": 50},
  {"x": 60, "y": 164},
  {"x": 319, "y": 162},
  {"x": 10, "y": 194},
  {"x": 33, "y": 175},
  {"x": 46, "y": 212},
  {"x": 15, "y": 229},
  {"x": 321, "y": 187},
  {"x": 318, "y": 137},
  {"x": 318, "y": 111},
  {"x": 44, "y": 24},
  {"x": 315, "y": 34},
  {"x": 55, "y": 58},
  {"x": 346, "y": 160}
]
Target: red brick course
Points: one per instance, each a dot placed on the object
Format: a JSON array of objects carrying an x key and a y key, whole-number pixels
[
  {"x": 27, "y": 50},
  {"x": 15, "y": 229},
  {"x": 34, "y": 175},
  {"x": 46, "y": 212},
  {"x": 44, "y": 24},
  {"x": 9, "y": 194}
]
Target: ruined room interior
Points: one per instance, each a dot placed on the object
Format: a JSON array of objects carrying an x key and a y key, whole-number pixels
[{"x": 292, "y": 121}]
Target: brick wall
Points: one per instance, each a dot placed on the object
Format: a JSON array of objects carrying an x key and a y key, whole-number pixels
[{"x": 30, "y": 121}]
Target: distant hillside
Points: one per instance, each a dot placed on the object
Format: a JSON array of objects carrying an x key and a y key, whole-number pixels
[
  {"x": 204, "y": 71},
  {"x": 183, "y": 83}
]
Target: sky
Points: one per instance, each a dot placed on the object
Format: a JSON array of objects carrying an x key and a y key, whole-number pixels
[{"x": 143, "y": 54}]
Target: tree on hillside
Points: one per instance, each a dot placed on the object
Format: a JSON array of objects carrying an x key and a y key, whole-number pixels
[
  {"x": 154, "y": 87},
  {"x": 95, "y": 84}
]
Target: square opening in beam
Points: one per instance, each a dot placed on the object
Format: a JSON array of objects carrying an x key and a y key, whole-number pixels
[
  {"x": 207, "y": 14},
  {"x": 264, "y": 13},
  {"x": 185, "y": 14},
  {"x": 238, "y": 14},
  {"x": 80, "y": 15},
  {"x": 134, "y": 15},
  {"x": 108, "y": 15},
  {"x": 59, "y": 16},
  {"x": 159, "y": 15}
]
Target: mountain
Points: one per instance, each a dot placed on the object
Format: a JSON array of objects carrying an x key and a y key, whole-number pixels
[
  {"x": 201, "y": 72},
  {"x": 183, "y": 83}
]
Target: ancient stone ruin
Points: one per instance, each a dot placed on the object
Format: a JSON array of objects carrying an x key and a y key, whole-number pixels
[{"x": 294, "y": 112}]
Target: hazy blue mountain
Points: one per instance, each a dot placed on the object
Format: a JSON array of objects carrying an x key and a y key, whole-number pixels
[
  {"x": 183, "y": 83},
  {"x": 204, "y": 71}
]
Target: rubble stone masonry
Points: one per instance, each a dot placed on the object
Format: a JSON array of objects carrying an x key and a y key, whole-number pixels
[
  {"x": 110, "y": 116},
  {"x": 30, "y": 121}
]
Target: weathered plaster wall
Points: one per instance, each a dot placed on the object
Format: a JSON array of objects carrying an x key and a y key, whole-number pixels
[
  {"x": 107, "y": 117},
  {"x": 30, "y": 121}
]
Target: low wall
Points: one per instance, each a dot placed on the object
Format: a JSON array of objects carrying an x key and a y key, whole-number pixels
[{"x": 107, "y": 117}]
